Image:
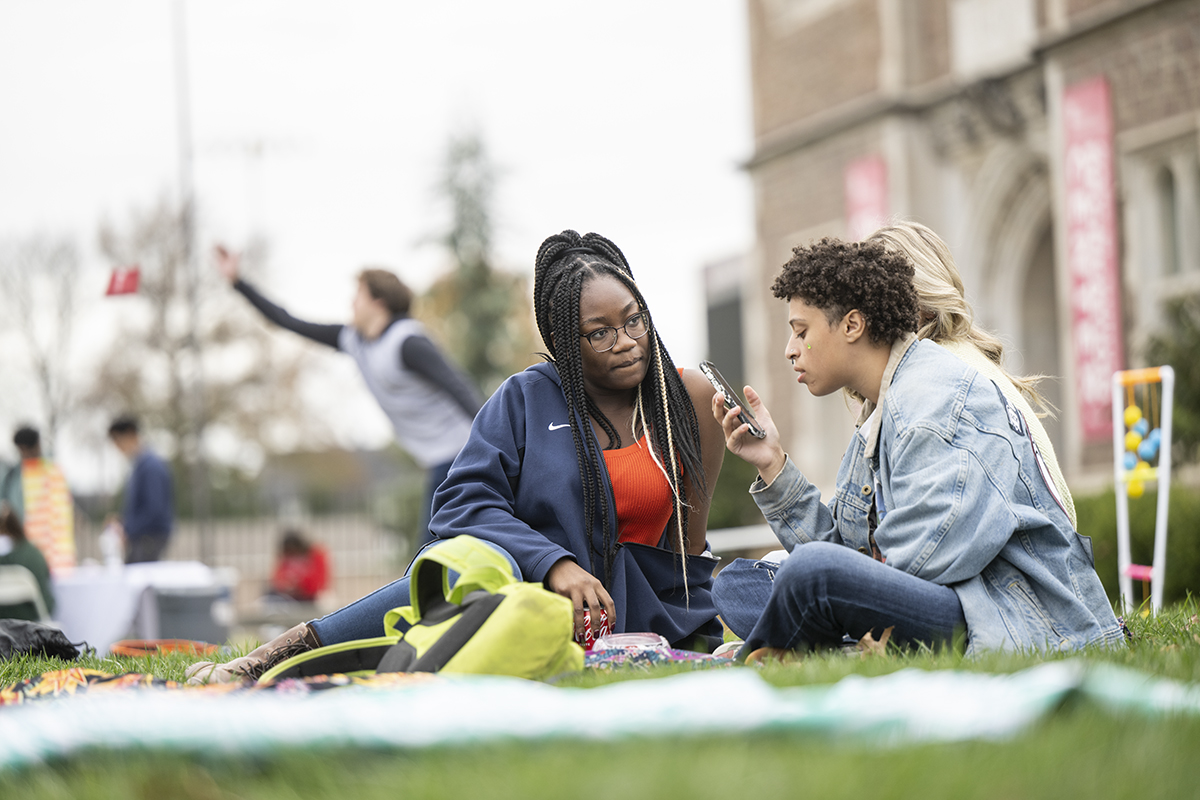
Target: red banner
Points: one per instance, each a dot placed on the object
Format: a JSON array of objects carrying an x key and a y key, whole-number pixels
[
  {"x": 1092, "y": 251},
  {"x": 124, "y": 280},
  {"x": 865, "y": 185}
]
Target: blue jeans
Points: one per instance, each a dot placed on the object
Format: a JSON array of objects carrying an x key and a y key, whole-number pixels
[
  {"x": 363, "y": 619},
  {"x": 824, "y": 592},
  {"x": 741, "y": 591},
  {"x": 433, "y": 479}
]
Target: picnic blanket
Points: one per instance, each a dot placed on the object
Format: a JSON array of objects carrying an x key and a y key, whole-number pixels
[
  {"x": 910, "y": 706},
  {"x": 78, "y": 681}
]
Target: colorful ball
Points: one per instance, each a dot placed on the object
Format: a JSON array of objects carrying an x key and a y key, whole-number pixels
[
  {"x": 1131, "y": 460},
  {"x": 1155, "y": 435},
  {"x": 1136, "y": 489},
  {"x": 1132, "y": 440},
  {"x": 1132, "y": 415},
  {"x": 1147, "y": 450},
  {"x": 1142, "y": 427}
]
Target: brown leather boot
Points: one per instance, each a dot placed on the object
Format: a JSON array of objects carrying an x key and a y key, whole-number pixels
[{"x": 299, "y": 639}]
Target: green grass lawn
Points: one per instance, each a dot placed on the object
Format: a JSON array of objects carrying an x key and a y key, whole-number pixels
[{"x": 1080, "y": 751}]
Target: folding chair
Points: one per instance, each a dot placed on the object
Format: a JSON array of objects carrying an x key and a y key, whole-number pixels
[{"x": 18, "y": 585}]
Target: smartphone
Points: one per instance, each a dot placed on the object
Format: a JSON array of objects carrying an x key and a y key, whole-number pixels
[{"x": 731, "y": 399}]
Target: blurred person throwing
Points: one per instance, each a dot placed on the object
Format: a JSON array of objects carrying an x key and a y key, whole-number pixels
[{"x": 430, "y": 403}]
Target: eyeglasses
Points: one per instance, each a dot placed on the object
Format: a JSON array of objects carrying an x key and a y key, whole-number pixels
[{"x": 604, "y": 339}]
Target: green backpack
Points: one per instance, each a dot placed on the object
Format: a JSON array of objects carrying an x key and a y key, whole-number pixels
[{"x": 489, "y": 623}]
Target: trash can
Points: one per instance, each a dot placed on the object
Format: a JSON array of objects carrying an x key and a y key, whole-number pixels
[{"x": 202, "y": 614}]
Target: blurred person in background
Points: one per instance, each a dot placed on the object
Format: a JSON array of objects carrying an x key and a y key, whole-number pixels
[
  {"x": 16, "y": 549},
  {"x": 147, "y": 516},
  {"x": 36, "y": 492},
  {"x": 428, "y": 400},
  {"x": 302, "y": 571}
]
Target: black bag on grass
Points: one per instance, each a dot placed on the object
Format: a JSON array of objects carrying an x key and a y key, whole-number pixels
[{"x": 21, "y": 637}]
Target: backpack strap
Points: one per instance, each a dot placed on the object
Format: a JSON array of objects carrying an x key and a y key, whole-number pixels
[
  {"x": 362, "y": 655},
  {"x": 479, "y": 567},
  {"x": 477, "y": 607}
]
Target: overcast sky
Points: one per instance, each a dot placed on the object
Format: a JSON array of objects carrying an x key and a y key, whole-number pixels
[{"x": 323, "y": 125}]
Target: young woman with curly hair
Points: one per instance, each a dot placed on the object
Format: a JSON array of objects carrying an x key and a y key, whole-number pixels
[{"x": 941, "y": 523}]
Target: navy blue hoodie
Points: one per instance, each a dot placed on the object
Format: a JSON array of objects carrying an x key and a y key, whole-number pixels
[{"x": 516, "y": 483}]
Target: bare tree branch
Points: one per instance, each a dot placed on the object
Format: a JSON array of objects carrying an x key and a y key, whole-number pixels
[
  {"x": 39, "y": 277},
  {"x": 252, "y": 376}
]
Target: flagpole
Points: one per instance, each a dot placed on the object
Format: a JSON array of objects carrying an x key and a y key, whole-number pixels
[{"x": 197, "y": 465}]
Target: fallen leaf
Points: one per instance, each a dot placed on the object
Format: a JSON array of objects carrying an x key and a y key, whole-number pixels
[
  {"x": 774, "y": 655},
  {"x": 868, "y": 646}
]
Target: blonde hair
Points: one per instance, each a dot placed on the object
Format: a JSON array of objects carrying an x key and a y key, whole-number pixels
[{"x": 946, "y": 316}]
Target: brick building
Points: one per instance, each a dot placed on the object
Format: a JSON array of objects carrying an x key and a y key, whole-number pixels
[{"x": 1052, "y": 143}]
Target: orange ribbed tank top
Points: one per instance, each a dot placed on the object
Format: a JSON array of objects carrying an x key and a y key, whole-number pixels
[{"x": 642, "y": 494}]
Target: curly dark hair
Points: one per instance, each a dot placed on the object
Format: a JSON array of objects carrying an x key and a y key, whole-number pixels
[{"x": 838, "y": 277}]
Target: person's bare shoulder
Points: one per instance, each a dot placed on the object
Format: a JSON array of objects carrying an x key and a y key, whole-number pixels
[{"x": 698, "y": 387}]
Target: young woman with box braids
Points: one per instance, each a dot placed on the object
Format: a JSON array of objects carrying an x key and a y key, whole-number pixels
[{"x": 565, "y": 264}]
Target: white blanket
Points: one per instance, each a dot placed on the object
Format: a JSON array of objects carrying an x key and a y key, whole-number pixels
[{"x": 910, "y": 706}]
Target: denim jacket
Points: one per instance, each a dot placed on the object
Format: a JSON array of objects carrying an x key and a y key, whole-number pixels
[{"x": 960, "y": 501}]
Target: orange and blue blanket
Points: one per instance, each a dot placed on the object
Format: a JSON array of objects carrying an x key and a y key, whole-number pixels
[{"x": 77, "y": 681}]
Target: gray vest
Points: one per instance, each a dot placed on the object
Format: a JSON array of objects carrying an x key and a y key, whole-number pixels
[{"x": 429, "y": 424}]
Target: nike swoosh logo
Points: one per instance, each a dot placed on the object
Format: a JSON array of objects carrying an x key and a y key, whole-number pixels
[{"x": 554, "y": 427}]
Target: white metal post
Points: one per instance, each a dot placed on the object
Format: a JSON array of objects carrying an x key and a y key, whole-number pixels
[
  {"x": 1159, "y": 574},
  {"x": 1121, "y": 490}
]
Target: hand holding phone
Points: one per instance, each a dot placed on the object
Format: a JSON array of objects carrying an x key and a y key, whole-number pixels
[{"x": 731, "y": 399}]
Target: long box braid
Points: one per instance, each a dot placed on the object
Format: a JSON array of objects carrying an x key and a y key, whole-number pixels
[{"x": 564, "y": 263}]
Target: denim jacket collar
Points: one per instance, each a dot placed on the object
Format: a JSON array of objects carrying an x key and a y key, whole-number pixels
[{"x": 900, "y": 348}]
